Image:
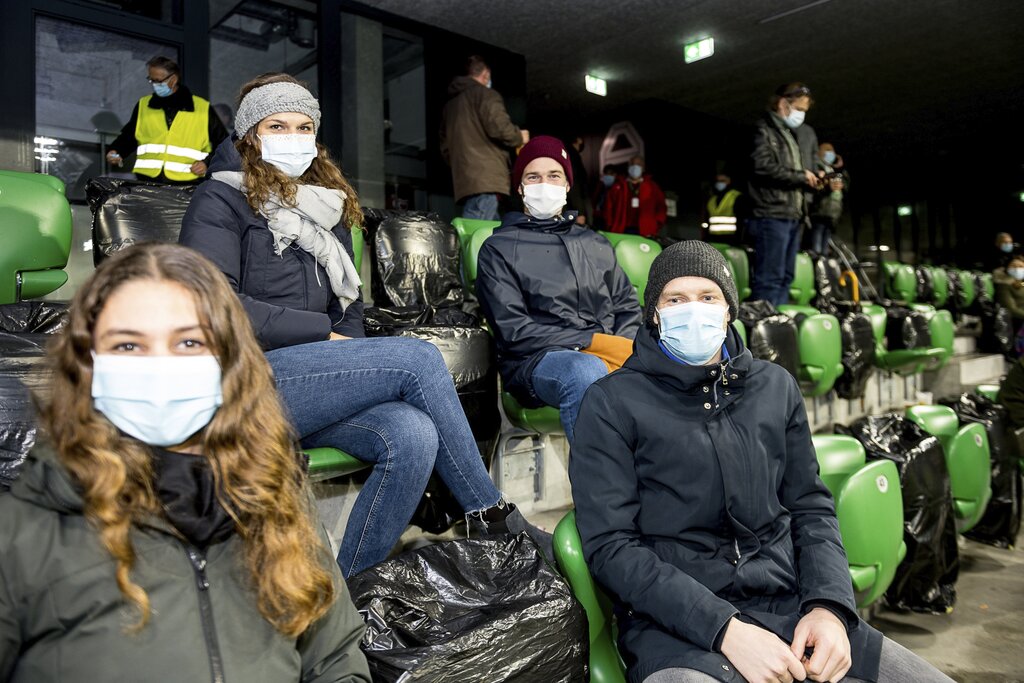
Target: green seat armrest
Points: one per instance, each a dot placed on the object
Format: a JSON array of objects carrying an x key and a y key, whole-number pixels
[{"x": 327, "y": 463}]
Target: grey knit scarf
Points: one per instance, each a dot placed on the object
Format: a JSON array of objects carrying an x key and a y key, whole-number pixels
[{"x": 308, "y": 225}]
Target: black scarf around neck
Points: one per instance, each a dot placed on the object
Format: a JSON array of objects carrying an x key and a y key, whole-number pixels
[{"x": 185, "y": 486}]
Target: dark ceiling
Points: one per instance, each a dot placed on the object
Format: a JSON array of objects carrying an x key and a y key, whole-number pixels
[{"x": 890, "y": 77}]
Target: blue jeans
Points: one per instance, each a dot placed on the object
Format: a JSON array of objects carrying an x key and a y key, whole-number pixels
[
  {"x": 391, "y": 402},
  {"x": 482, "y": 206},
  {"x": 561, "y": 378},
  {"x": 777, "y": 242}
]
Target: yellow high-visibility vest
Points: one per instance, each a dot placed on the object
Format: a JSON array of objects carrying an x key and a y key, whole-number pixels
[
  {"x": 173, "y": 150},
  {"x": 726, "y": 207}
]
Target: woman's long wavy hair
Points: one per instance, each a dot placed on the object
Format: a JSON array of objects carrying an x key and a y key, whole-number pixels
[
  {"x": 249, "y": 444},
  {"x": 263, "y": 179}
]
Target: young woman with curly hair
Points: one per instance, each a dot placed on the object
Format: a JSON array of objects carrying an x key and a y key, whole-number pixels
[
  {"x": 277, "y": 219},
  {"x": 162, "y": 528}
]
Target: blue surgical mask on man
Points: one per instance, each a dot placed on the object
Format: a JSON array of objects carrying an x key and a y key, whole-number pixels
[
  {"x": 693, "y": 332},
  {"x": 608, "y": 180},
  {"x": 159, "y": 400},
  {"x": 720, "y": 186},
  {"x": 1007, "y": 247},
  {"x": 1016, "y": 273},
  {"x": 162, "y": 90},
  {"x": 829, "y": 157},
  {"x": 635, "y": 171},
  {"x": 795, "y": 118}
]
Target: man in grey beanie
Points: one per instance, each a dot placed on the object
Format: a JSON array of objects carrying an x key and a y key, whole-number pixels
[{"x": 700, "y": 507}]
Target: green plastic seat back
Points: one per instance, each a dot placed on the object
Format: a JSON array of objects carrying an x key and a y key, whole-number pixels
[
  {"x": 358, "y": 244},
  {"x": 467, "y": 226},
  {"x": 943, "y": 332},
  {"x": 989, "y": 391},
  {"x": 740, "y": 265},
  {"x": 471, "y": 244},
  {"x": 878, "y": 320},
  {"x": 839, "y": 456},
  {"x": 967, "y": 291},
  {"x": 988, "y": 286},
  {"x": 940, "y": 286},
  {"x": 869, "y": 508},
  {"x": 939, "y": 421},
  {"x": 634, "y": 255},
  {"x": 35, "y": 235},
  {"x": 802, "y": 290},
  {"x": 327, "y": 463},
  {"x": 605, "y": 663},
  {"x": 741, "y": 329},
  {"x": 543, "y": 420},
  {"x": 821, "y": 349},
  {"x": 901, "y": 282},
  {"x": 970, "y": 474}
]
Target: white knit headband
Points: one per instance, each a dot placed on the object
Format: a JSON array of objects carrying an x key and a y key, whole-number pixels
[{"x": 274, "y": 98}]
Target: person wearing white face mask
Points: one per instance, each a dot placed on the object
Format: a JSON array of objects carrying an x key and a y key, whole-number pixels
[
  {"x": 277, "y": 218},
  {"x": 560, "y": 307},
  {"x": 779, "y": 190},
  {"x": 171, "y": 131},
  {"x": 827, "y": 202},
  {"x": 636, "y": 204},
  {"x": 700, "y": 508},
  {"x": 1009, "y": 282}
]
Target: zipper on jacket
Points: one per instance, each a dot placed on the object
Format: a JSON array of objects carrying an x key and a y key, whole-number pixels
[
  {"x": 736, "y": 546},
  {"x": 198, "y": 561}
]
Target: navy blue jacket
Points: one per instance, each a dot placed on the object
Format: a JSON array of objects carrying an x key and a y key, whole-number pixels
[
  {"x": 288, "y": 297},
  {"x": 698, "y": 499},
  {"x": 546, "y": 285}
]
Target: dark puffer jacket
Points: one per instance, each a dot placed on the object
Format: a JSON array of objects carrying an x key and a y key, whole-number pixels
[
  {"x": 698, "y": 499},
  {"x": 288, "y": 297},
  {"x": 777, "y": 187},
  {"x": 546, "y": 285},
  {"x": 62, "y": 617}
]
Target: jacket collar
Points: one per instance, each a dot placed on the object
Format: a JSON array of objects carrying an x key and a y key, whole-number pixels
[
  {"x": 649, "y": 359},
  {"x": 518, "y": 219}
]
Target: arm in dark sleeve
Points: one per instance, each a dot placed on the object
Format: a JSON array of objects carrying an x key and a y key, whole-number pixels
[
  {"x": 767, "y": 164},
  {"x": 822, "y": 567},
  {"x": 215, "y": 129},
  {"x": 10, "y": 630},
  {"x": 348, "y": 322},
  {"x": 211, "y": 227},
  {"x": 1004, "y": 295},
  {"x": 604, "y": 489},
  {"x": 125, "y": 144},
  {"x": 1011, "y": 394},
  {"x": 504, "y": 306},
  {"x": 496, "y": 121}
]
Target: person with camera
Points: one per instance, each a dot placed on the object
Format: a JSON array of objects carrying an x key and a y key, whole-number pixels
[{"x": 827, "y": 206}]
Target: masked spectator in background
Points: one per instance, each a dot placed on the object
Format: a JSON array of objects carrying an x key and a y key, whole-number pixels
[
  {"x": 599, "y": 200},
  {"x": 999, "y": 256},
  {"x": 827, "y": 205},
  {"x": 1009, "y": 282},
  {"x": 637, "y": 206}
]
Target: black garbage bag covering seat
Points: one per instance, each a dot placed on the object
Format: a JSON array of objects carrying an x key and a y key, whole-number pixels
[
  {"x": 771, "y": 335},
  {"x": 125, "y": 212}
]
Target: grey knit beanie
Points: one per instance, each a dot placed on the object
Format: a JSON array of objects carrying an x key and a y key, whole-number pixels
[
  {"x": 691, "y": 258},
  {"x": 274, "y": 98}
]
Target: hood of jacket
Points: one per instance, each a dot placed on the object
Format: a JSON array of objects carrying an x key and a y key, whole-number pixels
[
  {"x": 226, "y": 157},
  {"x": 461, "y": 84},
  {"x": 557, "y": 224},
  {"x": 44, "y": 481}
]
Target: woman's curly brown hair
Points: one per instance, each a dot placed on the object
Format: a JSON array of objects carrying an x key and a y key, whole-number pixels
[
  {"x": 249, "y": 444},
  {"x": 263, "y": 179}
]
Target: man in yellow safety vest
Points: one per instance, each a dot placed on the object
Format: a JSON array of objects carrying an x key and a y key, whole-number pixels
[{"x": 171, "y": 132}]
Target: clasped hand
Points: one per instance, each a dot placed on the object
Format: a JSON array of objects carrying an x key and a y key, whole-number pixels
[{"x": 762, "y": 657}]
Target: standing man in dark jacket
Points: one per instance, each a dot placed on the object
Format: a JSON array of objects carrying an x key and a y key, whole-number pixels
[
  {"x": 781, "y": 179},
  {"x": 171, "y": 132},
  {"x": 476, "y": 136},
  {"x": 551, "y": 289},
  {"x": 701, "y": 510}
]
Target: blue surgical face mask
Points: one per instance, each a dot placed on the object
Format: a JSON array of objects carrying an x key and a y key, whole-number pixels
[
  {"x": 608, "y": 180},
  {"x": 829, "y": 157},
  {"x": 490, "y": 83},
  {"x": 795, "y": 118},
  {"x": 636, "y": 171},
  {"x": 292, "y": 153},
  {"x": 693, "y": 332},
  {"x": 161, "y": 89},
  {"x": 1007, "y": 247},
  {"x": 720, "y": 187},
  {"x": 1016, "y": 273},
  {"x": 159, "y": 400}
]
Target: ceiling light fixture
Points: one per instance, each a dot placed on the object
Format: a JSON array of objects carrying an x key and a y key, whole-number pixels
[
  {"x": 788, "y": 12},
  {"x": 904, "y": 210},
  {"x": 699, "y": 49},
  {"x": 596, "y": 85}
]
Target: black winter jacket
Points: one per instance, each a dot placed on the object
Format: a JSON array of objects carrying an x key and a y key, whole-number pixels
[
  {"x": 288, "y": 297},
  {"x": 777, "y": 188},
  {"x": 62, "y": 617},
  {"x": 546, "y": 285},
  {"x": 698, "y": 499}
]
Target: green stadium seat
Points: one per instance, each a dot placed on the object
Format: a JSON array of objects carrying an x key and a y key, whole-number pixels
[
  {"x": 472, "y": 233},
  {"x": 606, "y": 665},
  {"x": 821, "y": 349},
  {"x": 902, "y": 361},
  {"x": 988, "y": 286},
  {"x": 802, "y": 290},
  {"x": 327, "y": 463},
  {"x": 839, "y": 456},
  {"x": 869, "y": 508},
  {"x": 939, "y": 421},
  {"x": 634, "y": 255},
  {"x": 942, "y": 331},
  {"x": 358, "y": 244},
  {"x": 967, "y": 290},
  {"x": 900, "y": 282},
  {"x": 35, "y": 231},
  {"x": 741, "y": 329},
  {"x": 970, "y": 475},
  {"x": 740, "y": 265},
  {"x": 989, "y": 391},
  {"x": 940, "y": 286}
]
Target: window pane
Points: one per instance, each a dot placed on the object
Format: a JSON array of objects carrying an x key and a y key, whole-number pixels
[
  {"x": 167, "y": 11},
  {"x": 256, "y": 37},
  {"x": 87, "y": 82},
  {"x": 405, "y": 125}
]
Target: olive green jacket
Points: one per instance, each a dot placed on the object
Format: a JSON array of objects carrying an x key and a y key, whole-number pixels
[{"x": 62, "y": 617}]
